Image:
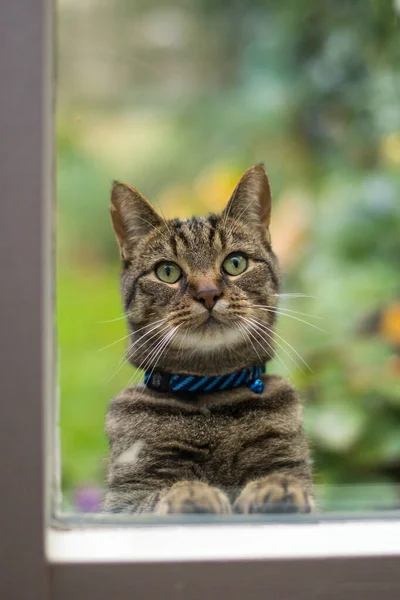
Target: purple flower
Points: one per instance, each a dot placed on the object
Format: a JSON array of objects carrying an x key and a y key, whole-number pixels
[{"x": 88, "y": 499}]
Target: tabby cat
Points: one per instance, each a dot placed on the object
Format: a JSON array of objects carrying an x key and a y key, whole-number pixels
[{"x": 206, "y": 432}]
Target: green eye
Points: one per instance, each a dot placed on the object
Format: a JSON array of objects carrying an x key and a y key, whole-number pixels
[
  {"x": 235, "y": 264},
  {"x": 169, "y": 272}
]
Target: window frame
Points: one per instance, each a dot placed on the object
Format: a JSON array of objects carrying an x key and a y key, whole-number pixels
[{"x": 42, "y": 561}]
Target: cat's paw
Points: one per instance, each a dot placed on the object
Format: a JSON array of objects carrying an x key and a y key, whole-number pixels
[
  {"x": 194, "y": 497},
  {"x": 274, "y": 494}
]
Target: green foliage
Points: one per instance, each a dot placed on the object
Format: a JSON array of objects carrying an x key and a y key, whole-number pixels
[{"x": 88, "y": 375}]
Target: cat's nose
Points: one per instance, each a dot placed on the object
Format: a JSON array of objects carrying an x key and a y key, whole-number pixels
[{"x": 208, "y": 296}]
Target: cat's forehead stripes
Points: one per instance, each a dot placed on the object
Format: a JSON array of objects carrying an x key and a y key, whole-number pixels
[{"x": 196, "y": 241}]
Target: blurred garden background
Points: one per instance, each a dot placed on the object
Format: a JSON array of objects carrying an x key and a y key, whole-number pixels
[{"x": 179, "y": 98}]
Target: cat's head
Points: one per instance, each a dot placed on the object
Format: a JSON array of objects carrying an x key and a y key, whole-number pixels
[{"x": 199, "y": 294}]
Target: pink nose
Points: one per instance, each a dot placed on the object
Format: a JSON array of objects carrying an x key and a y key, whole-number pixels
[{"x": 208, "y": 297}]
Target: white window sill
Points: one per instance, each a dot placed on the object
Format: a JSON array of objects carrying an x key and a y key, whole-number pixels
[{"x": 224, "y": 542}]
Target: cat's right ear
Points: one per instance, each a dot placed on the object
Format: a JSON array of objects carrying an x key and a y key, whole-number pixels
[{"x": 132, "y": 217}]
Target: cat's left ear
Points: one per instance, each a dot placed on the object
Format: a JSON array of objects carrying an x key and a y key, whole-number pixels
[{"x": 251, "y": 200}]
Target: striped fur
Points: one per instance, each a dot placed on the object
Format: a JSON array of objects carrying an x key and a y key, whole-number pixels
[{"x": 231, "y": 450}]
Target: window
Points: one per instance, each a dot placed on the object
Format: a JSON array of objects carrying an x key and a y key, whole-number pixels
[
  {"x": 139, "y": 84},
  {"x": 93, "y": 561}
]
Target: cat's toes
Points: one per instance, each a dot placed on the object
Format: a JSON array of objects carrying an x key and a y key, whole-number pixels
[
  {"x": 274, "y": 494},
  {"x": 194, "y": 497}
]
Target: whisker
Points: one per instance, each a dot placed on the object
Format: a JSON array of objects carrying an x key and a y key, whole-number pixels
[
  {"x": 129, "y": 334},
  {"x": 246, "y": 334},
  {"x": 266, "y": 328},
  {"x": 262, "y": 334},
  {"x": 152, "y": 348},
  {"x": 128, "y": 354},
  {"x": 111, "y": 320},
  {"x": 169, "y": 339},
  {"x": 291, "y": 317},
  {"x": 276, "y": 308},
  {"x": 116, "y": 342},
  {"x": 146, "y": 362},
  {"x": 131, "y": 350},
  {"x": 183, "y": 339},
  {"x": 147, "y": 354},
  {"x": 162, "y": 350},
  {"x": 274, "y": 354},
  {"x": 294, "y": 295},
  {"x": 124, "y": 316}
]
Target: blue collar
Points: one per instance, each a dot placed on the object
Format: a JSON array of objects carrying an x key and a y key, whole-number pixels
[{"x": 166, "y": 382}]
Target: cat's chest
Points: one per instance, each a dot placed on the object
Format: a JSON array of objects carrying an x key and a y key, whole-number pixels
[
  {"x": 220, "y": 430},
  {"x": 200, "y": 428},
  {"x": 203, "y": 426},
  {"x": 208, "y": 440},
  {"x": 220, "y": 443}
]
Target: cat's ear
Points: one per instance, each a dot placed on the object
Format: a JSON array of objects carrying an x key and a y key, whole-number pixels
[
  {"x": 132, "y": 217},
  {"x": 251, "y": 200}
]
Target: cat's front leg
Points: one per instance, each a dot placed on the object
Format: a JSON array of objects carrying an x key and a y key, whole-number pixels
[
  {"x": 129, "y": 500},
  {"x": 194, "y": 497},
  {"x": 275, "y": 493}
]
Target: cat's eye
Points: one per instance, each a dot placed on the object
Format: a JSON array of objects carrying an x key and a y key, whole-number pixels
[
  {"x": 235, "y": 264},
  {"x": 168, "y": 272}
]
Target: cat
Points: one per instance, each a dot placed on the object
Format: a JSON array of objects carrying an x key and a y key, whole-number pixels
[{"x": 200, "y": 298}]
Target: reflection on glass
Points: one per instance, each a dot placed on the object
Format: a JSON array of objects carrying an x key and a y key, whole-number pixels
[{"x": 179, "y": 100}]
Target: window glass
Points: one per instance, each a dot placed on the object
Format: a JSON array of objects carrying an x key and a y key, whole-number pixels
[{"x": 178, "y": 99}]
